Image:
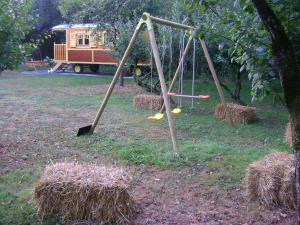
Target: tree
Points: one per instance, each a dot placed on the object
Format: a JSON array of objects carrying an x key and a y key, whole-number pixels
[
  {"x": 272, "y": 30},
  {"x": 14, "y": 26},
  {"x": 48, "y": 15},
  {"x": 243, "y": 41},
  {"x": 289, "y": 73}
]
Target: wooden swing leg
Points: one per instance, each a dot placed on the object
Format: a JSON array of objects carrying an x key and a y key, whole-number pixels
[
  {"x": 163, "y": 86},
  {"x": 187, "y": 48},
  {"x": 90, "y": 129},
  {"x": 212, "y": 70}
]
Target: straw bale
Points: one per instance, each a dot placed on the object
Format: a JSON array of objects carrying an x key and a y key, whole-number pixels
[
  {"x": 234, "y": 113},
  {"x": 288, "y": 135},
  {"x": 269, "y": 180},
  {"x": 148, "y": 101},
  {"x": 85, "y": 192},
  {"x": 287, "y": 193}
]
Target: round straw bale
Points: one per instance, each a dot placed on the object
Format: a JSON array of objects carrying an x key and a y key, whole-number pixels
[
  {"x": 85, "y": 192},
  {"x": 148, "y": 101},
  {"x": 234, "y": 113},
  {"x": 266, "y": 179},
  {"x": 288, "y": 135}
]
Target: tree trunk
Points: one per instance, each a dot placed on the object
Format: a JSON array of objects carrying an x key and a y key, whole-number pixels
[
  {"x": 236, "y": 94},
  {"x": 122, "y": 79},
  {"x": 288, "y": 69},
  {"x": 238, "y": 87}
]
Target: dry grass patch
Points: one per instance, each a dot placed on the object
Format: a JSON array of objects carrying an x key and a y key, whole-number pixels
[
  {"x": 234, "y": 113},
  {"x": 85, "y": 192},
  {"x": 271, "y": 180}
]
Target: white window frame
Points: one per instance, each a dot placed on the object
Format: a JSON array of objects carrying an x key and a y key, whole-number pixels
[{"x": 84, "y": 37}]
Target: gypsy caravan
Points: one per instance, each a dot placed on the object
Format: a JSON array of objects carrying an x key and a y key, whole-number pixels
[{"x": 83, "y": 47}]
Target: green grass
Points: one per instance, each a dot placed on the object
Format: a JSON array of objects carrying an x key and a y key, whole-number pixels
[
  {"x": 125, "y": 135},
  {"x": 52, "y": 81},
  {"x": 16, "y": 205}
]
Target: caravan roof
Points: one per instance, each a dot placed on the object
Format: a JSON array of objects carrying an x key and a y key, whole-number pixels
[{"x": 63, "y": 27}]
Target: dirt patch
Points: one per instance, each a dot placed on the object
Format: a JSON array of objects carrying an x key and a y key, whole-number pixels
[{"x": 180, "y": 197}]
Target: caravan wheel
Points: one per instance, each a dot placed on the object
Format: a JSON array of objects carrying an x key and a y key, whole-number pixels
[
  {"x": 94, "y": 68},
  {"x": 78, "y": 68}
]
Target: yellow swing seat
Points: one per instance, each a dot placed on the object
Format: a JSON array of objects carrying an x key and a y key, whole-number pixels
[
  {"x": 156, "y": 117},
  {"x": 176, "y": 111}
]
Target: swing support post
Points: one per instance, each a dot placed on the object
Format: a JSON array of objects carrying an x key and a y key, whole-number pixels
[
  {"x": 163, "y": 85},
  {"x": 212, "y": 70}
]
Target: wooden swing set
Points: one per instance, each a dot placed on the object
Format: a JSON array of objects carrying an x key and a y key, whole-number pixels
[{"x": 147, "y": 20}]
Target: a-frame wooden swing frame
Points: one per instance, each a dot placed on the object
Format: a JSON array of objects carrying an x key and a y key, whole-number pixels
[{"x": 148, "y": 20}]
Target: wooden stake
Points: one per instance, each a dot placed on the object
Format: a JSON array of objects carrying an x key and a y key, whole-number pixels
[{"x": 163, "y": 85}]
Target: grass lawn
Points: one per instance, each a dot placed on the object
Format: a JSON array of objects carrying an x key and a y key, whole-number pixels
[{"x": 40, "y": 115}]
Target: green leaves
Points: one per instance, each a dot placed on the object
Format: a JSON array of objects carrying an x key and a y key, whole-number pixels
[
  {"x": 14, "y": 26},
  {"x": 245, "y": 42}
]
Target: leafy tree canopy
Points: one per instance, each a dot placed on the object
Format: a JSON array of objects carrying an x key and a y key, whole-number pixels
[
  {"x": 239, "y": 33},
  {"x": 15, "y": 23}
]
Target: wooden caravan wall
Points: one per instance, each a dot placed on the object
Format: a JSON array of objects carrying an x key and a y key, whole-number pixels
[
  {"x": 93, "y": 53},
  {"x": 92, "y": 56},
  {"x": 59, "y": 52}
]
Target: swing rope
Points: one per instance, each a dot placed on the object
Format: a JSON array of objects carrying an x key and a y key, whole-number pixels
[
  {"x": 182, "y": 47},
  {"x": 170, "y": 58},
  {"x": 151, "y": 76},
  {"x": 193, "y": 79},
  {"x": 180, "y": 80},
  {"x": 163, "y": 50}
]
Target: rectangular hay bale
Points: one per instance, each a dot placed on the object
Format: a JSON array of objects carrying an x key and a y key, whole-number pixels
[
  {"x": 271, "y": 180},
  {"x": 85, "y": 192},
  {"x": 148, "y": 101},
  {"x": 234, "y": 113}
]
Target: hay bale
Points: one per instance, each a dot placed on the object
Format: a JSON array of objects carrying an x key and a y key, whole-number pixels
[
  {"x": 288, "y": 135},
  {"x": 269, "y": 180},
  {"x": 287, "y": 193},
  {"x": 234, "y": 113},
  {"x": 148, "y": 101},
  {"x": 85, "y": 192}
]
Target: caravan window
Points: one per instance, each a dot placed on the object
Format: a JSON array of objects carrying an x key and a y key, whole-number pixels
[
  {"x": 83, "y": 39},
  {"x": 86, "y": 39}
]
